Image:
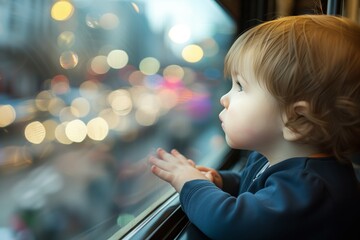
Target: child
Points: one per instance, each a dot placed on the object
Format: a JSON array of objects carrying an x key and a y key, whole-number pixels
[{"x": 294, "y": 101}]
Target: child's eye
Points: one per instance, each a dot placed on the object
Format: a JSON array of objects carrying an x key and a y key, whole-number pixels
[{"x": 240, "y": 87}]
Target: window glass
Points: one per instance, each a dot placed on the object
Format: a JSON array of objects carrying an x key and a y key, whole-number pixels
[{"x": 88, "y": 90}]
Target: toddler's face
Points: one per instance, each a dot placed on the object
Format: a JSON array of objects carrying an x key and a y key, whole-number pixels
[{"x": 251, "y": 118}]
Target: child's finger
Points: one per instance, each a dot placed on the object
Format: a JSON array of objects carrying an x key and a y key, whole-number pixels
[
  {"x": 209, "y": 176},
  {"x": 164, "y": 175},
  {"x": 178, "y": 155},
  {"x": 160, "y": 163},
  {"x": 192, "y": 163},
  {"x": 164, "y": 155},
  {"x": 203, "y": 168}
]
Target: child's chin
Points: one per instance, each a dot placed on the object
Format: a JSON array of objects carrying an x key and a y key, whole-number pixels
[
  {"x": 233, "y": 145},
  {"x": 242, "y": 146}
]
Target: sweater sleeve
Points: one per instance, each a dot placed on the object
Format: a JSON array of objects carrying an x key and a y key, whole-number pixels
[
  {"x": 231, "y": 182},
  {"x": 275, "y": 210}
]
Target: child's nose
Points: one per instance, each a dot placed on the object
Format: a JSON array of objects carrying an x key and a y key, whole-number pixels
[{"x": 224, "y": 100}]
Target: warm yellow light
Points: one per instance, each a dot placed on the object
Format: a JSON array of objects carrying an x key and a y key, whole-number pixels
[
  {"x": 192, "y": 53},
  {"x": 62, "y": 10},
  {"x": 7, "y": 115},
  {"x": 97, "y": 129},
  {"x": 76, "y": 130},
  {"x": 60, "y": 134},
  {"x": 35, "y": 132}
]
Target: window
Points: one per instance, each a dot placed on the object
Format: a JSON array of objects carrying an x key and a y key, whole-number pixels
[{"x": 88, "y": 90}]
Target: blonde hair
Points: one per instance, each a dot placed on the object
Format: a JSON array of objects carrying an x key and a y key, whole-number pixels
[{"x": 312, "y": 58}]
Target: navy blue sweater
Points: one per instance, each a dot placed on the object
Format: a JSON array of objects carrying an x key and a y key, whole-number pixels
[{"x": 299, "y": 198}]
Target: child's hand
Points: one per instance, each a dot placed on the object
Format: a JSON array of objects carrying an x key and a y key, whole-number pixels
[
  {"x": 174, "y": 168},
  {"x": 212, "y": 175}
]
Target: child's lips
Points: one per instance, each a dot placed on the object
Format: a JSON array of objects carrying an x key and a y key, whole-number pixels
[
  {"x": 220, "y": 118},
  {"x": 222, "y": 123}
]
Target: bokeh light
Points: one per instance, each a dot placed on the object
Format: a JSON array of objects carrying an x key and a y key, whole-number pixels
[
  {"x": 136, "y": 78},
  {"x": 192, "y": 53},
  {"x": 99, "y": 65},
  {"x": 173, "y": 73},
  {"x": 60, "y": 84},
  {"x": 120, "y": 101},
  {"x": 35, "y": 132},
  {"x": 92, "y": 21},
  {"x": 136, "y": 7},
  {"x": 180, "y": 33},
  {"x": 60, "y": 134},
  {"x": 42, "y": 100},
  {"x": 80, "y": 107},
  {"x": 109, "y": 21},
  {"x": 148, "y": 107},
  {"x": 97, "y": 129},
  {"x": 62, "y": 10},
  {"x": 66, "y": 39},
  {"x": 50, "y": 126},
  {"x": 89, "y": 89},
  {"x": 8, "y": 115},
  {"x": 149, "y": 65},
  {"x": 66, "y": 114},
  {"x": 68, "y": 60},
  {"x": 76, "y": 130},
  {"x": 117, "y": 59},
  {"x": 56, "y": 105}
]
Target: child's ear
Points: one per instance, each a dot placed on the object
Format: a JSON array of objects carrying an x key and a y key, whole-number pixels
[{"x": 303, "y": 128}]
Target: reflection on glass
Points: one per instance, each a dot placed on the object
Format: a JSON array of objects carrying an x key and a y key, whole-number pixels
[{"x": 88, "y": 90}]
